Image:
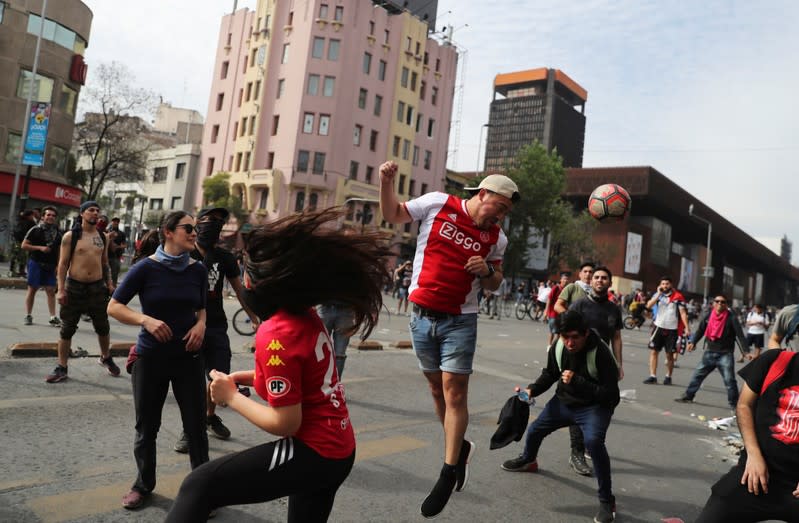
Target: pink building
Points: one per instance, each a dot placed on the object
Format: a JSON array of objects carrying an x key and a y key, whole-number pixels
[{"x": 308, "y": 101}]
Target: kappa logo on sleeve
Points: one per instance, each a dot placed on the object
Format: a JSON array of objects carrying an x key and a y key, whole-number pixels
[
  {"x": 275, "y": 345},
  {"x": 278, "y": 386},
  {"x": 274, "y": 361}
]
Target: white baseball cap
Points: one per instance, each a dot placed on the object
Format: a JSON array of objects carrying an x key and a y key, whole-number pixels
[{"x": 500, "y": 184}]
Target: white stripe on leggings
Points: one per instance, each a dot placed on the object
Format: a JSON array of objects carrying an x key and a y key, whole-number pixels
[{"x": 275, "y": 454}]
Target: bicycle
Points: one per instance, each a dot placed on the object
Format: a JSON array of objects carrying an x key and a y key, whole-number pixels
[
  {"x": 525, "y": 308},
  {"x": 242, "y": 323}
]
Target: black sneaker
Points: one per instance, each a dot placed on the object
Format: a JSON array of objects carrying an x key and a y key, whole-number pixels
[
  {"x": 216, "y": 428},
  {"x": 520, "y": 464},
  {"x": 462, "y": 467},
  {"x": 606, "y": 513},
  {"x": 667, "y": 380},
  {"x": 684, "y": 399},
  {"x": 55, "y": 321},
  {"x": 59, "y": 374},
  {"x": 435, "y": 502},
  {"x": 28, "y": 320},
  {"x": 109, "y": 364},
  {"x": 182, "y": 444},
  {"x": 651, "y": 380},
  {"x": 578, "y": 463}
]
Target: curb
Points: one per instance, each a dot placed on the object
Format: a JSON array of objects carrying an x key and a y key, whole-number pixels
[
  {"x": 369, "y": 345},
  {"x": 13, "y": 283},
  {"x": 50, "y": 349}
]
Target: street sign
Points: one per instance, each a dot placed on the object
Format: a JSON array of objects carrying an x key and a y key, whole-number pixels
[
  {"x": 36, "y": 139},
  {"x": 707, "y": 271}
]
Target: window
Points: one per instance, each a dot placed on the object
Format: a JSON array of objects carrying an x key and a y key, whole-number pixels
[
  {"x": 408, "y": 43},
  {"x": 313, "y": 84},
  {"x": 415, "y": 155},
  {"x": 318, "y": 50},
  {"x": 156, "y": 204},
  {"x": 333, "y": 49},
  {"x": 291, "y": 18},
  {"x": 411, "y": 187},
  {"x": 386, "y": 36},
  {"x": 318, "y": 163},
  {"x": 302, "y": 161},
  {"x": 400, "y": 112},
  {"x": 57, "y": 161},
  {"x": 367, "y": 63},
  {"x": 220, "y": 99},
  {"x": 68, "y": 98},
  {"x": 378, "y": 104},
  {"x": 285, "y": 56},
  {"x": 424, "y": 188},
  {"x": 248, "y": 92},
  {"x": 438, "y": 64},
  {"x": 209, "y": 167},
  {"x": 434, "y": 96},
  {"x": 401, "y": 184},
  {"x": 262, "y": 198},
  {"x": 353, "y": 170},
  {"x": 419, "y": 118},
  {"x": 330, "y": 86},
  {"x": 409, "y": 116},
  {"x": 235, "y": 129},
  {"x": 422, "y": 89},
  {"x": 396, "y": 147},
  {"x": 404, "y": 77},
  {"x": 253, "y": 56},
  {"x": 406, "y": 149},
  {"x": 214, "y": 133},
  {"x": 256, "y": 90},
  {"x": 241, "y": 95},
  {"x": 418, "y": 48},
  {"x": 243, "y": 127},
  {"x": 281, "y": 86},
  {"x": 356, "y": 135},
  {"x": 313, "y": 200},
  {"x": 159, "y": 174},
  {"x": 238, "y": 162},
  {"x": 414, "y": 78},
  {"x": 175, "y": 204},
  {"x": 373, "y": 141},
  {"x": 369, "y": 173},
  {"x": 299, "y": 203},
  {"x": 426, "y": 57},
  {"x": 54, "y": 32},
  {"x": 323, "y": 11},
  {"x": 246, "y": 165},
  {"x": 428, "y": 156},
  {"x": 270, "y": 160},
  {"x": 350, "y": 211},
  {"x": 338, "y": 16},
  {"x": 407, "y": 226},
  {"x": 3, "y": 7},
  {"x": 362, "y": 94},
  {"x": 324, "y": 124},
  {"x": 307, "y": 123},
  {"x": 42, "y": 87},
  {"x": 180, "y": 170},
  {"x": 430, "y": 127},
  {"x": 381, "y": 70},
  {"x": 252, "y": 125},
  {"x": 371, "y": 27}
]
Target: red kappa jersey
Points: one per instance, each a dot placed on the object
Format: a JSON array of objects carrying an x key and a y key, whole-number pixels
[
  {"x": 448, "y": 237},
  {"x": 295, "y": 363}
]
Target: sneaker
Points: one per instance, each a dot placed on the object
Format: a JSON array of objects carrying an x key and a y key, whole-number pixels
[
  {"x": 667, "y": 380},
  {"x": 109, "y": 364},
  {"x": 133, "y": 500},
  {"x": 216, "y": 428},
  {"x": 28, "y": 320},
  {"x": 59, "y": 374},
  {"x": 651, "y": 380},
  {"x": 462, "y": 467},
  {"x": 55, "y": 321},
  {"x": 684, "y": 399},
  {"x": 520, "y": 464},
  {"x": 435, "y": 502},
  {"x": 606, "y": 513},
  {"x": 182, "y": 444},
  {"x": 578, "y": 463}
]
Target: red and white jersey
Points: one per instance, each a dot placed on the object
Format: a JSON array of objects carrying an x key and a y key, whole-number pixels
[
  {"x": 448, "y": 237},
  {"x": 295, "y": 363}
]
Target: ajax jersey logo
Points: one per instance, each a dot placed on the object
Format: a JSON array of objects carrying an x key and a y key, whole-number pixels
[
  {"x": 451, "y": 232},
  {"x": 278, "y": 386}
]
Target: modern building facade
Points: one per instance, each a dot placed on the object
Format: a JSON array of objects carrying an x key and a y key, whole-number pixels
[
  {"x": 308, "y": 99},
  {"x": 539, "y": 104},
  {"x": 60, "y": 74}
]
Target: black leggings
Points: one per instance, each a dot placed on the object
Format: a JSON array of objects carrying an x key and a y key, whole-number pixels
[{"x": 286, "y": 467}]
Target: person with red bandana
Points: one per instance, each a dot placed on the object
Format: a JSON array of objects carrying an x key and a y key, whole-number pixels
[{"x": 458, "y": 251}]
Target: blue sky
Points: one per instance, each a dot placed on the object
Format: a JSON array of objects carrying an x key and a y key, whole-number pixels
[{"x": 702, "y": 91}]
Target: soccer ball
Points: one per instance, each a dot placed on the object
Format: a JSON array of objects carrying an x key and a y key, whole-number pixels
[{"x": 609, "y": 202}]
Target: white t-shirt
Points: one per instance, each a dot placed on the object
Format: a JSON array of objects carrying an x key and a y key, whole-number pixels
[
  {"x": 543, "y": 294},
  {"x": 667, "y": 317},
  {"x": 755, "y": 317}
]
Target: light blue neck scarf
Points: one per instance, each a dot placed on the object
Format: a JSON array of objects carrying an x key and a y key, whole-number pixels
[{"x": 176, "y": 263}]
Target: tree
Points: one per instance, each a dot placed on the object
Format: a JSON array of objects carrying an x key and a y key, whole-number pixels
[
  {"x": 113, "y": 141},
  {"x": 216, "y": 193}
]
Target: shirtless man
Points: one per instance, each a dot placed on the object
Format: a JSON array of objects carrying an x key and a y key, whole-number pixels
[{"x": 84, "y": 284}]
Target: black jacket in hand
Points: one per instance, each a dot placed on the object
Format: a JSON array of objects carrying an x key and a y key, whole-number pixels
[{"x": 583, "y": 390}]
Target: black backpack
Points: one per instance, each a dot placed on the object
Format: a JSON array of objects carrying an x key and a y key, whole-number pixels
[{"x": 21, "y": 229}]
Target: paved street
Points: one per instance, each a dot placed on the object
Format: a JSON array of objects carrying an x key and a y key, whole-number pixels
[{"x": 67, "y": 448}]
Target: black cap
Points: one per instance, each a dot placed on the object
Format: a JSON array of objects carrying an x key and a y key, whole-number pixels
[{"x": 211, "y": 210}]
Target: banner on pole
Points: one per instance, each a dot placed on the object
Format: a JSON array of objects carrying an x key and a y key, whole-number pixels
[{"x": 36, "y": 139}]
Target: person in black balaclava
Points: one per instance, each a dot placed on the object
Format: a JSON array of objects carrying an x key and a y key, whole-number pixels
[{"x": 220, "y": 264}]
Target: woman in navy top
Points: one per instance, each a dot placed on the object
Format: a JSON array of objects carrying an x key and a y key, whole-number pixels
[{"x": 172, "y": 292}]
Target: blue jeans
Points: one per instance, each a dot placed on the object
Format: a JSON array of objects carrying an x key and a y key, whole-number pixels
[
  {"x": 446, "y": 344},
  {"x": 725, "y": 363},
  {"x": 593, "y": 422},
  {"x": 338, "y": 320}
]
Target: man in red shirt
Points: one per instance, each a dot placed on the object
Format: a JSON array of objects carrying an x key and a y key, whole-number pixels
[
  {"x": 551, "y": 313},
  {"x": 458, "y": 251}
]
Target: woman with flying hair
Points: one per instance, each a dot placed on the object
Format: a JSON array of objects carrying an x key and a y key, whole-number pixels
[
  {"x": 292, "y": 265},
  {"x": 172, "y": 291}
]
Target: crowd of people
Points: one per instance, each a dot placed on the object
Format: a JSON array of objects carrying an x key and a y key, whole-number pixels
[{"x": 180, "y": 274}]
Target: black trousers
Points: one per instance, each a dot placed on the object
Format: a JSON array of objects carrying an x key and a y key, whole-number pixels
[
  {"x": 151, "y": 377},
  {"x": 286, "y": 467}
]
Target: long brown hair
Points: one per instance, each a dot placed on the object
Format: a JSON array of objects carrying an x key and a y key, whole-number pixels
[{"x": 297, "y": 262}]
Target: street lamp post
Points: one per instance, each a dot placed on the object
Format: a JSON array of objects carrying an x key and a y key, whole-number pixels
[
  {"x": 707, "y": 270},
  {"x": 480, "y": 146}
]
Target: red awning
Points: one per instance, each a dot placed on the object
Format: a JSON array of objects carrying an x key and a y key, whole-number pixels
[{"x": 42, "y": 190}]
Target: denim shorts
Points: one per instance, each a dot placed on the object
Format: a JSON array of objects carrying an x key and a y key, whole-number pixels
[{"x": 444, "y": 344}]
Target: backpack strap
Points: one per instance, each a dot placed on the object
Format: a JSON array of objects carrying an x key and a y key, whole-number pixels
[
  {"x": 590, "y": 357},
  {"x": 777, "y": 369},
  {"x": 792, "y": 326},
  {"x": 559, "y": 353}
]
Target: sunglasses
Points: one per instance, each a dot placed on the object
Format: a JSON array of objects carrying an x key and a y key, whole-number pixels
[
  {"x": 189, "y": 228},
  {"x": 723, "y": 302}
]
